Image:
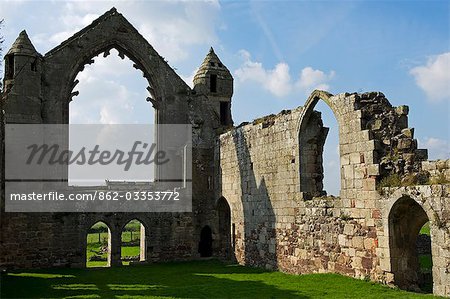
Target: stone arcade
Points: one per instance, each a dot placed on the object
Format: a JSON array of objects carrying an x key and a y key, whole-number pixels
[{"x": 257, "y": 187}]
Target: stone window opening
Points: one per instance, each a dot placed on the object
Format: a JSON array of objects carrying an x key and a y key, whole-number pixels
[
  {"x": 98, "y": 245},
  {"x": 319, "y": 159},
  {"x": 224, "y": 113},
  {"x": 33, "y": 65},
  {"x": 133, "y": 243},
  {"x": 9, "y": 67},
  {"x": 106, "y": 96},
  {"x": 117, "y": 88},
  {"x": 213, "y": 83}
]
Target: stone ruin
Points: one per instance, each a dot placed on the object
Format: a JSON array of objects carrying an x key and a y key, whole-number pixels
[{"x": 257, "y": 187}]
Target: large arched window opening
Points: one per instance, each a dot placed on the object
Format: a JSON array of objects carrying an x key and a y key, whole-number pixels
[
  {"x": 133, "y": 244},
  {"x": 98, "y": 245},
  {"x": 224, "y": 215},
  {"x": 109, "y": 89},
  {"x": 320, "y": 169},
  {"x": 406, "y": 220}
]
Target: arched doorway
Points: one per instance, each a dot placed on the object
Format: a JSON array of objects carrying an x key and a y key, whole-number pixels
[
  {"x": 406, "y": 220},
  {"x": 98, "y": 245},
  {"x": 133, "y": 242},
  {"x": 224, "y": 215},
  {"x": 205, "y": 244}
]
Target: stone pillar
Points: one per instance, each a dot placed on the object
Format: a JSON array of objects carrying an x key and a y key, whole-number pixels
[
  {"x": 115, "y": 248},
  {"x": 143, "y": 245}
]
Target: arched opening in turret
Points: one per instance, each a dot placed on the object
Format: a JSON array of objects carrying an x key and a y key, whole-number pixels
[
  {"x": 9, "y": 67},
  {"x": 213, "y": 83},
  {"x": 225, "y": 117}
]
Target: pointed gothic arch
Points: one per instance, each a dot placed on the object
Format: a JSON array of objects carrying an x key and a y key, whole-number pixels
[
  {"x": 139, "y": 241},
  {"x": 311, "y": 137},
  {"x": 406, "y": 218},
  {"x": 98, "y": 251},
  {"x": 109, "y": 31}
]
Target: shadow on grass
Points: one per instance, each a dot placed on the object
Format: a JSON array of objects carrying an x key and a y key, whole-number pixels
[
  {"x": 195, "y": 279},
  {"x": 206, "y": 279}
]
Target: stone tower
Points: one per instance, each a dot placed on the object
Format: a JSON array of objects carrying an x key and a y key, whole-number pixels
[
  {"x": 214, "y": 80},
  {"x": 22, "y": 82}
]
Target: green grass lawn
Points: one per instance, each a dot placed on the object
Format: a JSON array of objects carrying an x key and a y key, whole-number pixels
[
  {"x": 130, "y": 250},
  {"x": 199, "y": 279},
  {"x": 93, "y": 247},
  {"x": 128, "y": 236}
]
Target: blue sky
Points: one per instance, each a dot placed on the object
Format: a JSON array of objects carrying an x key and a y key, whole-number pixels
[{"x": 278, "y": 52}]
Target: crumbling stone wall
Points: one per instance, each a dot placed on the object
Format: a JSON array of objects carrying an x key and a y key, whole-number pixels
[
  {"x": 40, "y": 91},
  {"x": 267, "y": 174},
  {"x": 41, "y": 240},
  {"x": 437, "y": 171},
  {"x": 431, "y": 204},
  {"x": 281, "y": 225},
  {"x": 397, "y": 148}
]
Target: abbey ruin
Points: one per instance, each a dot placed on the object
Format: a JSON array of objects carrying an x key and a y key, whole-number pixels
[{"x": 257, "y": 187}]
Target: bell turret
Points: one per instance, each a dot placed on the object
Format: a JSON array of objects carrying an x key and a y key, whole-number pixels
[
  {"x": 22, "y": 82},
  {"x": 214, "y": 80}
]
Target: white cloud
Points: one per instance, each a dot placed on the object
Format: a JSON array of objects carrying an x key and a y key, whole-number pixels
[
  {"x": 311, "y": 79},
  {"x": 434, "y": 77},
  {"x": 171, "y": 27},
  {"x": 278, "y": 80},
  {"x": 437, "y": 148},
  {"x": 109, "y": 93}
]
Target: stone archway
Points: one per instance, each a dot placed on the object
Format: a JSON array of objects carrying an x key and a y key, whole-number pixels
[
  {"x": 224, "y": 215},
  {"x": 98, "y": 249},
  {"x": 312, "y": 135},
  {"x": 167, "y": 91},
  {"x": 133, "y": 241},
  {"x": 405, "y": 219}
]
